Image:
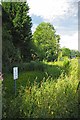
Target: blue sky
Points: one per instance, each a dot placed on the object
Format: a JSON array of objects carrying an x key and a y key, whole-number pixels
[{"x": 62, "y": 14}]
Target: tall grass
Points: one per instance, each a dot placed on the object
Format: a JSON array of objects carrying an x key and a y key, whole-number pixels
[
  {"x": 52, "y": 100},
  {"x": 49, "y": 99}
]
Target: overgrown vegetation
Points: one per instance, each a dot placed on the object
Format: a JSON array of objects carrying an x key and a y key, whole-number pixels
[
  {"x": 16, "y": 33},
  {"x": 39, "y": 95},
  {"x": 46, "y": 42},
  {"x": 48, "y": 76}
]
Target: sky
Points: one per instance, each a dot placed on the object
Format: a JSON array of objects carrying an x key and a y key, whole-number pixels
[{"x": 62, "y": 14}]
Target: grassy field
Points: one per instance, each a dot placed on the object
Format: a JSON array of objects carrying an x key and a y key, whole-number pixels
[{"x": 50, "y": 93}]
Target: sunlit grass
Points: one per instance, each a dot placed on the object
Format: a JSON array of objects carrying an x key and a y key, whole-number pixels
[{"x": 41, "y": 94}]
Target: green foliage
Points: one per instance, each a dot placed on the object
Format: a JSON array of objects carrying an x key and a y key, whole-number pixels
[
  {"x": 54, "y": 71},
  {"x": 75, "y": 53},
  {"x": 49, "y": 99},
  {"x": 30, "y": 66},
  {"x": 62, "y": 66},
  {"x": 34, "y": 66},
  {"x": 66, "y": 52},
  {"x": 61, "y": 101},
  {"x": 37, "y": 66},
  {"x": 10, "y": 53},
  {"x": 46, "y": 42},
  {"x": 66, "y": 62},
  {"x": 48, "y": 69},
  {"x": 66, "y": 65},
  {"x": 18, "y": 29}
]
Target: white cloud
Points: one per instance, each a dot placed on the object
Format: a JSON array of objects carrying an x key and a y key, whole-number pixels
[
  {"x": 70, "y": 41},
  {"x": 57, "y": 9},
  {"x": 50, "y": 9}
]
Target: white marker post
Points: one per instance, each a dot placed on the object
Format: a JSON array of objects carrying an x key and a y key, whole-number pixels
[{"x": 15, "y": 77}]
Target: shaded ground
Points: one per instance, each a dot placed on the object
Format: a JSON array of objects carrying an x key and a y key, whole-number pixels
[{"x": 30, "y": 77}]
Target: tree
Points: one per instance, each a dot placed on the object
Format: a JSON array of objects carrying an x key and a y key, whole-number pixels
[
  {"x": 20, "y": 27},
  {"x": 66, "y": 52},
  {"x": 46, "y": 41},
  {"x": 10, "y": 54},
  {"x": 75, "y": 53}
]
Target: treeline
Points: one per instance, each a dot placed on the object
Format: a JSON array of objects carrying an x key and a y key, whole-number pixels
[
  {"x": 19, "y": 45},
  {"x": 16, "y": 32},
  {"x": 68, "y": 53}
]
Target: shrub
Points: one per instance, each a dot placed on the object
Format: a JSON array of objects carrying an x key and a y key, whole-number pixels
[
  {"x": 66, "y": 65},
  {"x": 37, "y": 65},
  {"x": 53, "y": 99},
  {"x": 49, "y": 99},
  {"x": 30, "y": 66}
]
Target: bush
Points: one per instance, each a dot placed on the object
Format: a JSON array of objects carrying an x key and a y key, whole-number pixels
[
  {"x": 54, "y": 71},
  {"x": 66, "y": 65},
  {"x": 37, "y": 66},
  {"x": 66, "y": 62},
  {"x": 30, "y": 66},
  {"x": 50, "y": 100},
  {"x": 61, "y": 101},
  {"x": 33, "y": 65}
]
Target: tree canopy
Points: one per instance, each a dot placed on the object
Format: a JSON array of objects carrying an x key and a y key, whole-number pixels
[
  {"x": 46, "y": 41},
  {"x": 70, "y": 53},
  {"x": 16, "y": 32},
  {"x": 75, "y": 53},
  {"x": 66, "y": 52}
]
